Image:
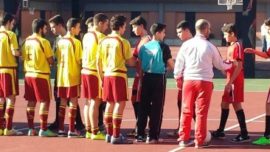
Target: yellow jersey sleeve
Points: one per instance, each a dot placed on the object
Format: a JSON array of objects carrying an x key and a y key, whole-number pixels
[
  {"x": 8, "y": 41},
  {"x": 127, "y": 49},
  {"x": 47, "y": 49},
  {"x": 13, "y": 40}
]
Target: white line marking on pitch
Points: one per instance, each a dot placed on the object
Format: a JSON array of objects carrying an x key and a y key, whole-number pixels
[{"x": 226, "y": 129}]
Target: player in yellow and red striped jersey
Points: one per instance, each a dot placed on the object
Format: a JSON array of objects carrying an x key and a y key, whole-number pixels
[
  {"x": 8, "y": 74},
  {"x": 38, "y": 56},
  {"x": 90, "y": 81},
  {"x": 68, "y": 54},
  {"x": 113, "y": 53},
  {"x": 58, "y": 28}
]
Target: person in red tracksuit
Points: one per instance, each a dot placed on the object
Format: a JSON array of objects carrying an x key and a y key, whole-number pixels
[{"x": 194, "y": 63}]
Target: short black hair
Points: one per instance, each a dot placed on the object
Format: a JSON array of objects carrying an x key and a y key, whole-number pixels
[
  {"x": 100, "y": 17},
  {"x": 183, "y": 24},
  {"x": 72, "y": 22},
  {"x": 267, "y": 22},
  {"x": 57, "y": 19},
  {"x": 157, "y": 27},
  {"x": 138, "y": 21},
  {"x": 90, "y": 20},
  {"x": 5, "y": 18},
  {"x": 38, "y": 24},
  {"x": 117, "y": 21},
  {"x": 229, "y": 28}
]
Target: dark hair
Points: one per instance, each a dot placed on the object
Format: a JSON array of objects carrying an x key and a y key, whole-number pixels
[
  {"x": 38, "y": 24},
  {"x": 72, "y": 22},
  {"x": 229, "y": 28},
  {"x": 117, "y": 21},
  {"x": 267, "y": 22},
  {"x": 157, "y": 27},
  {"x": 138, "y": 21},
  {"x": 100, "y": 17},
  {"x": 183, "y": 24},
  {"x": 90, "y": 20},
  {"x": 57, "y": 19},
  {"x": 5, "y": 18}
]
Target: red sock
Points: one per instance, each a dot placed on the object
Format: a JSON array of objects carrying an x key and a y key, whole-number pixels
[
  {"x": 95, "y": 130},
  {"x": 2, "y": 116},
  {"x": 72, "y": 116},
  {"x": 9, "y": 116},
  {"x": 108, "y": 123},
  {"x": 61, "y": 116},
  {"x": 30, "y": 112},
  {"x": 43, "y": 120},
  {"x": 117, "y": 120}
]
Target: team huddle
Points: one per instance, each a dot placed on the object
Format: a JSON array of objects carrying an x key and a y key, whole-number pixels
[{"x": 95, "y": 69}]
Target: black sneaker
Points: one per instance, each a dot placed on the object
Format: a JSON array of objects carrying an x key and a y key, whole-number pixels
[
  {"x": 241, "y": 139},
  {"x": 140, "y": 139},
  {"x": 218, "y": 134},
  {"x": 53, "y": 126}
]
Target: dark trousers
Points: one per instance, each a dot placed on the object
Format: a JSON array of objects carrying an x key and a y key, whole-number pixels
[{"x": 152, "y": 102}]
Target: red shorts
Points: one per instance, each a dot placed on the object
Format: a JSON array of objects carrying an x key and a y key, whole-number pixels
[
  {"x": 9, "y": 84},
  {"x": 37, "y": 89},
  {"x": 236, "y": 94},
  {"x": 90, "y": 86},
  {"x": 115, "y": 89},
  {"x": 68, "y": 92}
]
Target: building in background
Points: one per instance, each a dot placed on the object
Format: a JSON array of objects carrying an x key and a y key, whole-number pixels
[{"x": 169, "y": 12}]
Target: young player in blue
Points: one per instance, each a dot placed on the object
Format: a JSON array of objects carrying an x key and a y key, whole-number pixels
[{"x": 156, "y": 59}]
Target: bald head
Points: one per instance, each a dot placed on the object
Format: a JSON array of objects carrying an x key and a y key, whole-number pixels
[{"x": 203, "y": 27}]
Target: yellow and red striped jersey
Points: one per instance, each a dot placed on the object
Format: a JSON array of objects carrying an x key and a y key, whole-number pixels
[
  {"x": 68, "y": 54},
  {"x": 113, "y": 51},
  {"x": 8, "y": 42}
]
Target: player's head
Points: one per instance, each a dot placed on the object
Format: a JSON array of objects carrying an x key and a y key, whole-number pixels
[
  {"x": 118, "y": 23},
  {"x": 7, "y": 20},
  {"x": 183, "y": 30},
  {"x": 230, "y": 32},
  {"x": 267, "y": 25},
  {"x": 138, "y": 25},
  {"x": 158, "y": 31},
  {"x": 101, "y": 21},
  {"x": 203, "y": 27},
  {"x": 39, "y": 26},
  {"x": 74, "y": 26},
  {"x": 90, "y": 23},
  {"x": 56, "y": 24}
]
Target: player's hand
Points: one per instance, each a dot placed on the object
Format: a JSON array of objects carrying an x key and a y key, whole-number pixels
[
  {"x": 249, "y": 50},
  {"x": 228, "y": 87},
  {"x": 179, "y": 83}
]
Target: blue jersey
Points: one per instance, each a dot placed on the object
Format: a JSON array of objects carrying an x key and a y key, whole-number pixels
[{"x": 154, "y": 56}]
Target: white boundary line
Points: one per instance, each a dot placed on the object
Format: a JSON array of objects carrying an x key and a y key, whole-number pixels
[{"x": 226, "y": 129}]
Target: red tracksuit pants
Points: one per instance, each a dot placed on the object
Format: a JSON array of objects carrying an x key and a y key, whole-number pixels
[{"x": 199, "y": 93}]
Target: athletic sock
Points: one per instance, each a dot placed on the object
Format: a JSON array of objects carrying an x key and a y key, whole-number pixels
[
  {"x": 72, "y": 116},
  {"x": 223, "y": 119},
  {"x": 57, "y": 104},
  {"x": 108, "y": 123},
  {"x": 267, "y": 126},
  {"x": 43, "y": 119},
  {"x": 117, "y": 120},
  {"x": 95, "y": 130},
  {"x": 9, "y": 115},
  {"x": 61, "y": 116},
  {"x": 30, "y": 112},
  {"x": 1, "y": 115},
  {"x": 242, "y": 122},
  {"x": 79, "y": 122}
]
